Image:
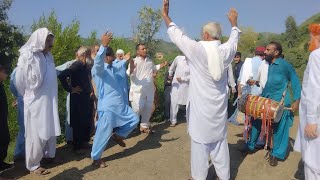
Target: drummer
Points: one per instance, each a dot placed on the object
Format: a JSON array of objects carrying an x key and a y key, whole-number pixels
[{"x": 280, "y": 73}]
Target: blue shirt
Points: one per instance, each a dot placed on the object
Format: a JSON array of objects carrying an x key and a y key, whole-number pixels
[
  {"x": 279, "y": 74},
  {"x": 110, "y": 92},
  {"x": 12, "y": 87},
  {"x": 122, "y": 77}
]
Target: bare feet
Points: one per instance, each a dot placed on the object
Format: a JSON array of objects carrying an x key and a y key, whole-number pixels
[
  {"x": 99, "y": 163},
  {"x": 40, "y": 171}
]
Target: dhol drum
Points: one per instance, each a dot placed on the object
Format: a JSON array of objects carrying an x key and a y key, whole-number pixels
[{"x": 258, "y": 107}]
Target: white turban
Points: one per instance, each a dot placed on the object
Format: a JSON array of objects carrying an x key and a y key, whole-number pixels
[
  {"x": 120, "y": 51},
  {"x": 28, "y": 59}
]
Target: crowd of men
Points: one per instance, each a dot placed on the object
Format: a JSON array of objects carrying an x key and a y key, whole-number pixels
[{"x": 100, "y": 101}]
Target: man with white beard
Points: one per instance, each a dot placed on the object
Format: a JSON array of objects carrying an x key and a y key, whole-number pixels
[
  {"x": 180, "y": 85},
  {"x": 36, "y": 80},
  {"x": 208, "y": 96}
]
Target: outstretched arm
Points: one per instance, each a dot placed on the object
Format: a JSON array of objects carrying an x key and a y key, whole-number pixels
[
  {"x": 165, "y": 13},
  {"x": 98, "y": 66}
]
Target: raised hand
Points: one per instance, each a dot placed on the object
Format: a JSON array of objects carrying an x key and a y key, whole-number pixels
[
  {"x": 233, "y": 17},
  {"x": 132, "y": 66},
  {"x": 165, "y": 63},
  {"x": 127, "y": 56},
  {"x": 106, "y": 39},
  {"x": 165, "y": 8}
]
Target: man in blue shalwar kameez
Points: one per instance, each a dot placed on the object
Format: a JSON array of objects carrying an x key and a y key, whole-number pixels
[
  {"x": 116, "y": 118},
  {"x": 19, "y": 152},
  {"x": 280, "y": 73}
]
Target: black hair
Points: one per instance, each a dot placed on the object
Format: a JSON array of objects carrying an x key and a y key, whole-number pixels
[
  {"x": 109, "y": 52},
  {"x": 138, "y": 45},
  {"x": 238, "y": 54},
  {"x": 278, "y": 47}
]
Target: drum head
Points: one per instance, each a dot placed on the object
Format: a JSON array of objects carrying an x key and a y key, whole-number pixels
[
  {"x": 278, "y": 114},
  {"x": 242, "y": 103}
]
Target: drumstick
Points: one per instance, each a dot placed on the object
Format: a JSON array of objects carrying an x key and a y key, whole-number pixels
[{"x": 235, "y": 102}]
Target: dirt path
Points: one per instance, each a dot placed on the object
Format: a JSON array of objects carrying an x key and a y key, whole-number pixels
[{"x": 164, "y": 155}]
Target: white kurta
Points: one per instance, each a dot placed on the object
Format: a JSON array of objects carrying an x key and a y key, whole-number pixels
[
  {"x": 36, "y": 80},
  {"x": 41, "y": 96},
  {"x": 142, "y": 88},
  {"x": 249, "y": 70},
  {"x": 180, "y": 68},
  {"x": 231, "y": 81},
  {"x": 207, "y": 104},
  {"x": 263, "y": 74},
  {"x": 309, "y": 113}
]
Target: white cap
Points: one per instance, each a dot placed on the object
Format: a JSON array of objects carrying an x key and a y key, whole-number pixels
[{"x": 120, "y": 51}]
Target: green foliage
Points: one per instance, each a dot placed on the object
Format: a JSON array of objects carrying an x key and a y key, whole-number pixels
[
  {"x": 265, "y": 38},
  {"x": 10, "y": 37},
  {"x": 91, "y": 40},
  {"x": 291, "y": 35},
  {"x": 149, "y": 24},
  {"x": 4, "y": 7},
  {"x": 248, "y": 41},
  {"x": 121, "y": 43},
  {"x": 66, "y": 40}
]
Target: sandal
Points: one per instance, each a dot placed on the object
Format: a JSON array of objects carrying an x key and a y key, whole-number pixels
[
  {"x": 40, "y": 171},
  {"x": 99, "y": 163},
  {"x": 173, "y": 125},
  {"x": 146, "y": 130}
]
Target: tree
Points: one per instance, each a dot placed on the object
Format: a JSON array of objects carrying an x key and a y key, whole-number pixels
[
  {"x": 4, "y": 7},
  {"x": 66, "y": 40},
  {"x": 248, "y": 41},
  {"x": 291, "y": 31},
  {"x": 11, "y": 38},
  {"x": 121, "y": 43},
  {"x": 92, "y": 39},
  {"x": 149, "y": 24}
]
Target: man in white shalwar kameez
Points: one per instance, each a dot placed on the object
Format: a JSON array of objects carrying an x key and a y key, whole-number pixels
[
  {"x": 208, "y": 97},
  {"x": 36, "y": 80},
  {"x": 142, "y": 87},
  {"x": 249, "y": 73},
  {"x": 180, "y": 85},
  {"x": 308, "y": 139}
]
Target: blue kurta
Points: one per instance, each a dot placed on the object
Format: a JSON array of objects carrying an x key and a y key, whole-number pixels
[
  {"x": 113, "y": 112},
  {"x": 122, "y": 77},
  {"x": 20, "y": 141},
  {"x": 280, "y": 73}
]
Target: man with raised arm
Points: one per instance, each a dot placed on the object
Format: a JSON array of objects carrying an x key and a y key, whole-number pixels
[{"x": 208, "y": 98}]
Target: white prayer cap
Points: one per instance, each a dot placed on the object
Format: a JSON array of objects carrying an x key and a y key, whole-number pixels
[{"x": 120, "y": 51}]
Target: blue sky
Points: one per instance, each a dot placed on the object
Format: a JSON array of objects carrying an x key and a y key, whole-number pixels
[{"x": 121, "y": 15}]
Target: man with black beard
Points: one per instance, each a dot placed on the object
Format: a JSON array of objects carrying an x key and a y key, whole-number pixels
[{"x": 280, "y": 73}]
